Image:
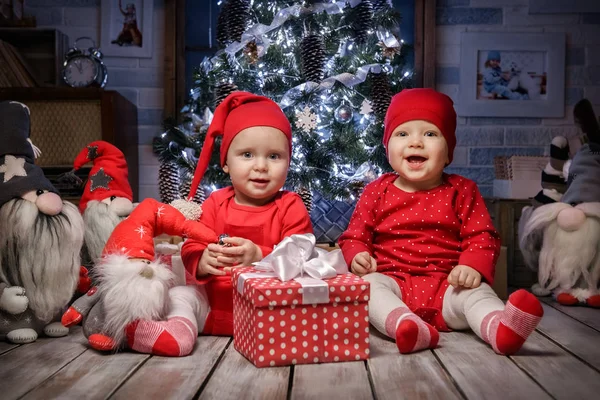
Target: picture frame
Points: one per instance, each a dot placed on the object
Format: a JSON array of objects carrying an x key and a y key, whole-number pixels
[
  {"x": 126, "y": 28},
  {"x": 512, "y": 75}
]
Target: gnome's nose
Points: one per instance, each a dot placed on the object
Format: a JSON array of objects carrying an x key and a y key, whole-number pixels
[
  {"x": 570, "y": 219},
  {"x": 49, "y": 203},
  {"x": 147, "y": 272}
]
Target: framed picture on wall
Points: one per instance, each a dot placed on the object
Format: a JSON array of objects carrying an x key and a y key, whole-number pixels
[
  {"x": 512, "y": 75},
  {"x": 126, "y": 28}
]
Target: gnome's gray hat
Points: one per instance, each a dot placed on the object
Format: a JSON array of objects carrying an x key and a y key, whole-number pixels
[
  {"x": 18, "y": 173},
  {"x": 584, "y": 176}
]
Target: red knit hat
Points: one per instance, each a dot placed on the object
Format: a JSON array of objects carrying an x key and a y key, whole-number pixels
[
  {"x": 108, "y": 176},
  {"x": 134, "y": 235},
  {"x": 422, "y": 104},
  {"x": 239, "y": 110}
]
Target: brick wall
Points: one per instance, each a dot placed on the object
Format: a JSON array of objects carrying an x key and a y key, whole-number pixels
[
  {"x": 138, "y": 79},
  {"x": 480, "y": 139}
]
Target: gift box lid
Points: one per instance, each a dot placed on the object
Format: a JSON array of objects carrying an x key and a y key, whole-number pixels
[{"x": 266, "y": 290}]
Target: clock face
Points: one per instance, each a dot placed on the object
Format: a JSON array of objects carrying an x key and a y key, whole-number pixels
[{"x": 80, "y": 72}]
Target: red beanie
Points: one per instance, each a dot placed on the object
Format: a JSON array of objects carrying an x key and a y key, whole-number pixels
[
  {"x": 108, "y": 176},
  {"x": 239, "y": 110},
  {"x": 422, "y": 104},
  {"x": 134, "y": 236}
]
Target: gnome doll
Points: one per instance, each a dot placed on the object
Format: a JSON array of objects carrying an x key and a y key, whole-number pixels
[
  {"x": 40, "y": 237},
  {"x": 107, "y": 195},
  {"x": 132, "y": 284},
  {"x": 561, "y": 240}
]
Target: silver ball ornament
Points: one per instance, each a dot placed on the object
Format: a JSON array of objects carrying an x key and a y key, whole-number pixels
[{"x": 343, "y": 114}]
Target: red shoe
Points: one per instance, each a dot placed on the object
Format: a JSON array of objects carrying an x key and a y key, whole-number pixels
[
  {"x": 593, "y": 301},
  {"x": 71, "y": 317},
  {"x": 101, "y": 342},
  {"x": 567, "y": 299},
  {"x": 84, "y": 280}
]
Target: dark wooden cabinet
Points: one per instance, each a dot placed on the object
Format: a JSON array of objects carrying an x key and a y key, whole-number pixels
[
  {"x": 506, "y": 214},
  {"x": 65, "y": 120}
]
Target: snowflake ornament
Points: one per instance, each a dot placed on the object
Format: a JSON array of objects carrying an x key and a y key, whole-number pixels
[
  {"x": 366, "y": 108},
  {"x": 307, "y": 120}
]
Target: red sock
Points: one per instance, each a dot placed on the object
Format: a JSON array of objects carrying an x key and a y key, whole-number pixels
[
  {"x": 507, "y": 330},
  {"x": 173, "y": 338},
  {"x": 411, "y": 332}
]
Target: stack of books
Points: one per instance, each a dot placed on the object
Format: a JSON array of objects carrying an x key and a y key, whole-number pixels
[
  {"x": 14, "y": 71},
  {"x": 518, "y": 177}
]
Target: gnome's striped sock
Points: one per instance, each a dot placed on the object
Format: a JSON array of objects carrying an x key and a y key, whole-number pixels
[
  {"x": 173, "y": 338},
  {"x": 507, "y": 330},
  {"x": 411, "y": 332}
]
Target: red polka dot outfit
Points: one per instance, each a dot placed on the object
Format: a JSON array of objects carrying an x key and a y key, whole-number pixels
[{"x": 417, "y": 238}]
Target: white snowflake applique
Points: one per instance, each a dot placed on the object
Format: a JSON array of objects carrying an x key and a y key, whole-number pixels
[
  {"x": 141, "y": 230},
  {"x": 307, "y": 120},
  {"x": 12, "y": 167},
  {"x": 366, "y": 108},
  {"x": 159, "y": 211}
]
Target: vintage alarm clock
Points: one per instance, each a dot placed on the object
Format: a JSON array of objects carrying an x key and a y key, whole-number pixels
[{"x": 84, "y": 68}]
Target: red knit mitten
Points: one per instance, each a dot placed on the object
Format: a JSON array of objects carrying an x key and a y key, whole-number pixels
[{"x": 71, "y": 317}]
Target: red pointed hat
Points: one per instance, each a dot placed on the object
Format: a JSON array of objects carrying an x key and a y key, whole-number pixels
[
  {"x": 108, "y": 176},
  {"x": 134, "y": 236},
  {"x": 239, "y": 110},
  {"x": 422, "y": 104}
]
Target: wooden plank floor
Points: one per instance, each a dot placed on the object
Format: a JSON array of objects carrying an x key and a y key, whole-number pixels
[{"x": 560, "y": 361}]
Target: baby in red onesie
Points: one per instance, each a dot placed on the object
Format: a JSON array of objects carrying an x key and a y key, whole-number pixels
[
  {"x": 254, "y": 213},
  {"x": 425, "y": 241}
]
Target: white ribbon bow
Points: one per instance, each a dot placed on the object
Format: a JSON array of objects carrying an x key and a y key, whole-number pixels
[{"x": 297, "y": 255}]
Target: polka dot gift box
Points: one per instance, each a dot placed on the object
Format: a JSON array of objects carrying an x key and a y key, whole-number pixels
[{"x": 300, "y": 321}]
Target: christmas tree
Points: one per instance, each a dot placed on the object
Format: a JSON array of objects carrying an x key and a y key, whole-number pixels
[{"x": 332, "y": 66}]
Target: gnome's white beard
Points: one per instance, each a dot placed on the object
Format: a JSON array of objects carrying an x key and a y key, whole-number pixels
[
  {"x": 568, "y": 259},
  {"x": 41, "y": 254},
  {"x": 100, "y": 221},
  {"x": 128, "y": 295}
]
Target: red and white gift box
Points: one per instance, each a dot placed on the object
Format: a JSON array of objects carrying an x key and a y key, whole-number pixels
[{"x": 300, "y": 321}]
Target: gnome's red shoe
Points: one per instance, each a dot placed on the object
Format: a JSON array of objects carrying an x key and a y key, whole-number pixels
[
  {"x": 71, "y": 317},
  {"x": 101, "y": 342},
  {"x": 85, "y": 282},
  {"x": 593, "y": 301},
  {"x": 567, "y": 299}
]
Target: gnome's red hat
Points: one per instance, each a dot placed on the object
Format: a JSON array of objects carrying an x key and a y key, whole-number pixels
[
  {"x": 239, "y": 110},
  {"x": 422, "y": 104},
  {"x": 108, "y": 176},
  {"x": 134, "y": 235}
]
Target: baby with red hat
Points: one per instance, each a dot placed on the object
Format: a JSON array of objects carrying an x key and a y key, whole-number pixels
[
  {"x": 254, "y": 213},
  {"x": 425, "y": 240}
]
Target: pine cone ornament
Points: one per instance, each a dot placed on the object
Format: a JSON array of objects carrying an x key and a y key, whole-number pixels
[
  {"x": 363, "y": 21},
  {"x": 238, "y": 18},
  {"x": 168, "y": 181},
  {"x": 222, "y": 35},
  {"x": 223, "y": 90},
  {"x": 312, "y": 52},
  {"x": 381, "y": 93},
  {"x": 233, "y": 20},
  {"x": 380, "y": 5},
  {"x": 306, "y": 196},
  {"x": 186, "y": 185}
]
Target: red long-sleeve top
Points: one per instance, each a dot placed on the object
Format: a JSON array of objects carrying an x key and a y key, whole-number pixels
[
  {"x": 266, "y": 226},
  {"x": 417, "y": 238}
]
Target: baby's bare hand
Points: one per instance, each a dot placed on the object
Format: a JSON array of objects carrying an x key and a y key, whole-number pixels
[
  {"x": 464, "y": 276},
  {"x": 242, "y": 252},
  {"x": 363, "y": 264}
]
